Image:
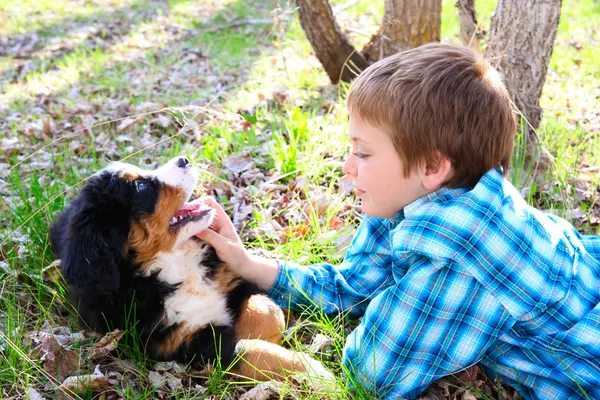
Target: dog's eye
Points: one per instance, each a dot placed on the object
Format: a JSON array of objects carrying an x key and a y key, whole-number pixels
[{"x": 139, "y": 186}]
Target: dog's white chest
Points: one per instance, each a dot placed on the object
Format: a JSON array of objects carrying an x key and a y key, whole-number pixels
[{"x": 197, "y": 301}]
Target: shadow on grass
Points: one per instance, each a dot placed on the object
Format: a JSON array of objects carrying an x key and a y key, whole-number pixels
[
  {"x": 183, "y": 66},
  {"x": 41, "y": 49}
]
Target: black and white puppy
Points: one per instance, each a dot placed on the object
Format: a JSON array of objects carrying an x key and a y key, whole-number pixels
[{"x": 129, "y": 256}]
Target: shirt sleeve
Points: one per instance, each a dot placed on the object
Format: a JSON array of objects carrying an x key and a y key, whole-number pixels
[
  {"x": 431, "y": 324},
  {"x": 592, "y": 245},
  {"x": 347, "y": 287}
]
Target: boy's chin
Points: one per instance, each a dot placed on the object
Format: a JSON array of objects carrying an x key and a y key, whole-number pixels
[{"x": 377, "y": 211}]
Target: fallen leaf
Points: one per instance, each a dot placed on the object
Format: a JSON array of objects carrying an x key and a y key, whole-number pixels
[
  {"x": 319, "y": 342},
  {"x": 156, "y": 379},
  {"x": 106, "y": 345},
  {"x": 127, "y": 122},
  {"x": 470, "y": 374},
  {"x": 58, "y": 362},
  {"x": 82, "y": 383},
  {"x": 264, "y": 391},
  {"x": 162, "y": 120},
  {"x": 77, "y": 147},
  {"x": 174, "y": 383},
  {"x": 335, "y": 223},
  {"x": 9, "y": 146},
  {"x": 33, "y": 394},
  {"x": 238, "y": 163},
  {"x": 296, "y": 231},
  {"x": 168, "y": 366},
  {"x": 52, "y": 273}
]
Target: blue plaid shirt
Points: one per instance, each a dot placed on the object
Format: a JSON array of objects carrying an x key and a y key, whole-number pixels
[{"x": 459, "y": 277}]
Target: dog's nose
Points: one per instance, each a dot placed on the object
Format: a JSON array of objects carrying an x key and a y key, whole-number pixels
[{"x": 182, "y": 162}]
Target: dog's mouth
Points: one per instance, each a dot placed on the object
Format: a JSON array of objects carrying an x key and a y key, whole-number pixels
[{"x": 190, "y": 212}]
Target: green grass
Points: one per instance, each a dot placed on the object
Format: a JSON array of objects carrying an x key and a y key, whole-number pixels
[{"x": 266, "y": 98}]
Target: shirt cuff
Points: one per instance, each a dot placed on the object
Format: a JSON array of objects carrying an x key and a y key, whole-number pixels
[
  {"x": 284, "y": 292},
  {"x": 280, "y": 287}
]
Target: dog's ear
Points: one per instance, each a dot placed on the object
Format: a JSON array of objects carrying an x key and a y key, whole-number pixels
[
  {"x": 92, "y": 256},
  {"x": 90, "y": 244}
]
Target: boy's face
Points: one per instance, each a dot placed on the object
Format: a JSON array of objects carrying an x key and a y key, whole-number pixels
[{"x": 378, "y": 172}]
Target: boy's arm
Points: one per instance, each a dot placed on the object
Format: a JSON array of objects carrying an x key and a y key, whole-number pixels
[
  {"x": 365, "y": 270},
  {"x": 422, "y": 329}
]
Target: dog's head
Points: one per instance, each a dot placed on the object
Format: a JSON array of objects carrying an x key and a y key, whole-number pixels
[{"x": 123, "y": 217}]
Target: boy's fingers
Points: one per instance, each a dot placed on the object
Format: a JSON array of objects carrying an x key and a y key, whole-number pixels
[
  {"x": 221, "y": 215},
  {"x": 208, "y": 200},
  {"x": 213, "y": 238}
]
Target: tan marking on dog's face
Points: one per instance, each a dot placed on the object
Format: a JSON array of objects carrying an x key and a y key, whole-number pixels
[
  {"x": 260, "y": 318},
  {"x": 180, "y": 336},
  {"x": 150, "y": 233},
  {"x": 129, "y": 175}
]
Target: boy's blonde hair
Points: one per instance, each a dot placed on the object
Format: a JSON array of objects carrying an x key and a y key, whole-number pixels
[{"x": 439, "y": 99}]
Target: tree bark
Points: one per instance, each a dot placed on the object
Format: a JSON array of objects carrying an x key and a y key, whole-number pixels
[
  {"x": 406, "y": 24},
  {"x": 338, "y": 57},
  {"x": 470, "y": 31},
  {"x": 520, "y": 45}
]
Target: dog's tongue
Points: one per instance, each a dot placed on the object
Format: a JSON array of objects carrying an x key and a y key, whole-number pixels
[{"x": 191, "y": 208}]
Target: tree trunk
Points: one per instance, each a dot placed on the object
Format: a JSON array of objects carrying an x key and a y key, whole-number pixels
[
  {"x": 338, "y": 57},
  {"x": 520, "y": 45},
  {"x": 470, "y": 31},
  {"x": 406, "y": 24}
]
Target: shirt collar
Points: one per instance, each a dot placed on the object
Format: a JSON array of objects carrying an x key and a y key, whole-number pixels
[
  {"x": 492, "y": 176},
  {"x": 411, "y": 209}
]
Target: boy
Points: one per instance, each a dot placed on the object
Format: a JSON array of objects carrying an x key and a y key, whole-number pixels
[{"x": 449, "y": 267}]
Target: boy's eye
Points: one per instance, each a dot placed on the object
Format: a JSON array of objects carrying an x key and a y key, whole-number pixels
[{"x": 359, "y": 155}]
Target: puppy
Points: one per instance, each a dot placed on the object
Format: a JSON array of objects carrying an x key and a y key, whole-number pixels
[{"x": 129, "y": 256}]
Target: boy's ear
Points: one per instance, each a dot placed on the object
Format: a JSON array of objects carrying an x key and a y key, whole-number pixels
[{"x": 437, "y": 172}]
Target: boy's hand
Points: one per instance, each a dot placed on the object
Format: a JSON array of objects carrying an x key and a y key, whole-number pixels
[{"x": 224, "y": 238}]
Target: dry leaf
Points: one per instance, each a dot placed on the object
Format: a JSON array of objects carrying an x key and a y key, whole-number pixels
[
  {"x": 470, "y": 374},
  {"x": 163, "y": 120},
  {"x": 238, "y": 163},
  {"x": 82, "y": 383},
  {"x": 168, "y": 366},
  {"x": 335, "y": 223},
  {"x": 174, "y": 383},
  {"x": 57, "y": 361},
  {"x": 320, "y": 204},
  {"x": 33, "y": 394},
  {"x": 156, "y": 379},
  {"x": 296, "y": 231},
  {"x": 106, "y": 345},
  {"x": 127, "y": 122},
  {"x": 9, "y": 146},
  {"x": 48, "y": 126},
  {"x": 264, "y": 391},
  {"x": 52, "y": 273},
  {"x": 319, "y": 342}
]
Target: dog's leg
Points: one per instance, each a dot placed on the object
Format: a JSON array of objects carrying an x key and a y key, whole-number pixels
[
  {"x": 262, "y": 361},
  {"x": 260, "y": 318},
  {"x": 204, "y": 345}
]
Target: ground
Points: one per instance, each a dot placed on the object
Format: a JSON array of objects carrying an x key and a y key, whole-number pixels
[{"x": 233, "y": 85}]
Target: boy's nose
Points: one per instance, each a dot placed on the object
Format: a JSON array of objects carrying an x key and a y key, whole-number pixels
[{"x": 348, "y": 166}]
